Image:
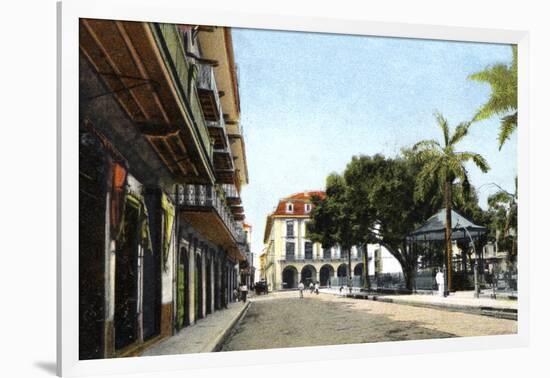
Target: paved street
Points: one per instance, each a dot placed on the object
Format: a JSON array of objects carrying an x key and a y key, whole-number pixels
[{"x": 281, "y": 320}]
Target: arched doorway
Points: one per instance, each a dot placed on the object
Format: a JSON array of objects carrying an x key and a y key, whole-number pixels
[
  {"x": 309, "y": 275},
  {"x": 325, "y": 274},
  {"x": 342, "y": 273},
  {"x": 358, "y": 270},
  {"x": 290, "y": 278}
]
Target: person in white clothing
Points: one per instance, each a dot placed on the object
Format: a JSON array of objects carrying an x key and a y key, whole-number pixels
[
  {"x": 244, "y": 292},
  {"x": 301, "y": 289},
  {"x": 440, "y": 280}
]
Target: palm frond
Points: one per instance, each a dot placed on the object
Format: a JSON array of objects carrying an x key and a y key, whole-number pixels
[
  {"x": 503, "y": 80},
  {"x": 476, "y": 158},
  {"x": 428, "y": 174},
  {"x": 442, "y": 122},
  {"x": 460, "y": 132},
  {"x": 508, "y": 125}
]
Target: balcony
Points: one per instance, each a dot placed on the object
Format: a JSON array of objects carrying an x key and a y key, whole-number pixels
[
  {"x": 211, "y": 108},
  {"x": 144, "y": 68},
  {"x": 231, "y": 194},
  {"x": 208, "y": 92},
  {"x": 237, "y": 209},
  {"x": 223, "y": 166},
  {"x": 205, "y": 209},
  {"x": 304, "y": 259},
  {"x": 171, "y": 46}
]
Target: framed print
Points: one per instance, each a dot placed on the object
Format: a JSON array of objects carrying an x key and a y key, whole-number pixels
[{"x": 284, "y": 189}]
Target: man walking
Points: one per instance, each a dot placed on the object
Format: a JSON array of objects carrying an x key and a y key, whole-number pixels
[
  {"x": 301, "y": 289},
  {"x": 244, "y": 292}
]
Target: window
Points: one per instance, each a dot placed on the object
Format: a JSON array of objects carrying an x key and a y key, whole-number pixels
[
  {"x": 290, "y": 228},
  {"x": 289, "y": 207},
  {"x": 290, "y": 250},
  {"x": 308, "y": 207},
  {"x": 308, "y": 250},
  {"x": 326, "y": 253}
]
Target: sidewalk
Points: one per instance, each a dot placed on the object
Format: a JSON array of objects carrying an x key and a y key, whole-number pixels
[
  {"x": 206, "y": 335},
  {"x": 463, "y": 301}
]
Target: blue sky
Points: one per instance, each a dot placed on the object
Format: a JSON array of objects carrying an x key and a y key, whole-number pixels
[{"x": 310, "y": 101}]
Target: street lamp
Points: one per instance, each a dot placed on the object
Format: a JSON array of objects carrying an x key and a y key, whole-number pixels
[
  {"x": 349, "y": 270},
  {"x": 476, "y": 281}
]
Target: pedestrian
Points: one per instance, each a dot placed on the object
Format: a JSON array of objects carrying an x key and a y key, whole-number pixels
[
  {"x": 301, "y": 289},
  {"x": 244, "y": 292},
  {"x": 311, "y": 287},
  {"x": 235, "y": 295},
  {"x": 440, "y": 280},
  {"x": 317, "y": 288}
]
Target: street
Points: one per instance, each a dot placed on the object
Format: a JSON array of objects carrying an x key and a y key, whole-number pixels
[{"x": 282, "y": 319}]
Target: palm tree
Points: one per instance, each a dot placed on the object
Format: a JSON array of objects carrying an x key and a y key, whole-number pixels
[
  {"x": 503, "y": 101},
  {"x": 442, "y": 164}
]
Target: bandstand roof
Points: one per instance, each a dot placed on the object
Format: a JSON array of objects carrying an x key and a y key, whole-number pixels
[{"x": 434, "y": 228}]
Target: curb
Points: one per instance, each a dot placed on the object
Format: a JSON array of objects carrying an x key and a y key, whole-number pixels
[
  {"x": 495, "y": 312},
  {"x": 217, "y": 343}
]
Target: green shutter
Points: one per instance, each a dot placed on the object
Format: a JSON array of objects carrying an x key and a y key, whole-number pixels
[{"x": 180, "y": 297}]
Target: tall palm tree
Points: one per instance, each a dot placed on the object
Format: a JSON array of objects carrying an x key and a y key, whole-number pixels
[
  {"x": 503, "y": 100},
  {"x": 442, "y": 164}
]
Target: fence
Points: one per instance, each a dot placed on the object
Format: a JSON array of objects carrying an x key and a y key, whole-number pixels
[
  {"x": 387, "y": 281},
  {"x": 356, "y": 281}
]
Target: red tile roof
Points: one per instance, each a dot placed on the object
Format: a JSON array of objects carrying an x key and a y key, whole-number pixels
[{"x": 298, "y": 200}]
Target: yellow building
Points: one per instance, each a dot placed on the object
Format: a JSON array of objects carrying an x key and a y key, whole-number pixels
[
  {"x": 290, "y": 257},
  {"x": 263, "y": 261}
]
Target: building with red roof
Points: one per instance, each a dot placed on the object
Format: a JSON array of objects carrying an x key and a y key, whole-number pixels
[{"x": 290, "y": 257}]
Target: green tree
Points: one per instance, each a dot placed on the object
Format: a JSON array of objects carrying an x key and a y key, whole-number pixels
[
  {"x": 504, "y": 218},
  {"x": 503, "y": 101},
  {"x": 381, "y": 195},
  {"x": 333, "y": 222},
  {"x": 442, "y": 164}
]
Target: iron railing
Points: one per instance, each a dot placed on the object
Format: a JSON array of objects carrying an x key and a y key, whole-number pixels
[
  {"x": 230, "y": 191},
  {"x": 319, "y": 259},
  {"x": 206, "y": 196}
]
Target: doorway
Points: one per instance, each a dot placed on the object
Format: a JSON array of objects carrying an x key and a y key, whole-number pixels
[
  {"x": 290, "y": 275},
  {"x": 126, "y": 279},
  {"x": 91, "y": 247},
  {"x": 182, "y": 296}
]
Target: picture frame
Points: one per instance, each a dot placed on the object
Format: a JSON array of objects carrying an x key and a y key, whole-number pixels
[{"x": 69, "y": 13}]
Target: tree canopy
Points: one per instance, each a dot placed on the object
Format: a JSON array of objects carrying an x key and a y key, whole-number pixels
[
  {"x": 503, "y": 101},
  {"x": 374, "y": 201}
]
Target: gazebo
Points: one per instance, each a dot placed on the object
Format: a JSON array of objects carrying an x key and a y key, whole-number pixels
[
  {"x": 432, "y": 232},
  {"x": 434, "y": 228}
]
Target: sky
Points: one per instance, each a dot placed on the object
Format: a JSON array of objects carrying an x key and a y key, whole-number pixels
[{"x": 311, "y": 101}]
